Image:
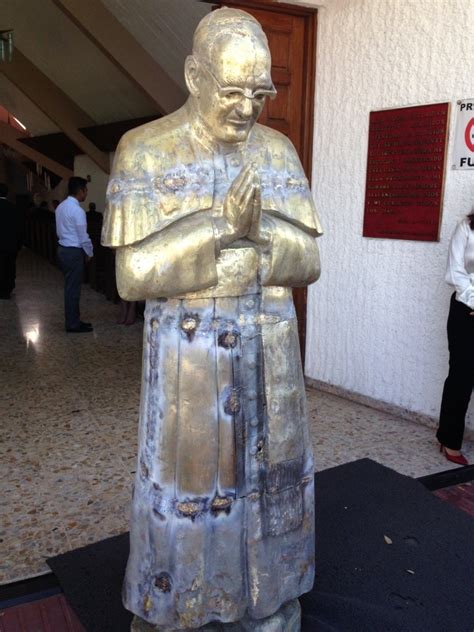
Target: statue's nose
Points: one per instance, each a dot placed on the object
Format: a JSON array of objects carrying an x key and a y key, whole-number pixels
[{"x": 245, "y": 107}]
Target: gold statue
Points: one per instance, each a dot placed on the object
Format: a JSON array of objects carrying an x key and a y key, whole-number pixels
[{"x": 214, "y": 223}]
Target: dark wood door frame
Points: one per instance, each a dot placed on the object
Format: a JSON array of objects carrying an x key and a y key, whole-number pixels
[{"x": 309, "y": 77}]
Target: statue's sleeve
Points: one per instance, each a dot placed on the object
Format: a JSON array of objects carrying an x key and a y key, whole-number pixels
[
  {"x": 165, "y": 243},
  {"x": 290, "y": 226},
  {"x": 290, "y": 256},
  {"x": 180, "y": 258}
]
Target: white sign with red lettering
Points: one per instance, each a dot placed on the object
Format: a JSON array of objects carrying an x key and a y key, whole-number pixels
[{"x": 463, "y": 152}]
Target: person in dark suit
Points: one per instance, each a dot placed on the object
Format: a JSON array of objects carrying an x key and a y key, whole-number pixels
[
  {"x": 93, "y": 217},
  {"x": 10, "y": 243}
]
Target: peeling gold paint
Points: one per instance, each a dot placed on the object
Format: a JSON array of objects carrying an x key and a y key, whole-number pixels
[
  {"x": 189, "y": 324},
  {"x": 254, "y": 585},
  {"x": 147, "y": 604},
  {"x": 188, "y": 508},
  {"x": 221, "y": 503}
]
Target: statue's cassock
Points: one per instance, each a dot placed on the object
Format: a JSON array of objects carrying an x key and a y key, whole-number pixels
[{"x": 222, "y": 514}]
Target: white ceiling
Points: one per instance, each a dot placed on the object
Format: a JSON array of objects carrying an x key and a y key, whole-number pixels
[
  {"x": 63, "y": 53},
  {"x": 163, "y": 27}
]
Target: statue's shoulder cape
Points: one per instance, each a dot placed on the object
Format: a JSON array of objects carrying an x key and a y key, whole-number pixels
[{"x": 162, "y": 173}]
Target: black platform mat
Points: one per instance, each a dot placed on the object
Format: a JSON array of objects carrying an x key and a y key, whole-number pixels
[
  {"x": 448, "y": 478},
  {"x": 390, "y": 557}
]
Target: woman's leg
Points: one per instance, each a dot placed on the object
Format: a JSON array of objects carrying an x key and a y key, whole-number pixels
[
  {"x": 130, "y": 317},
  {"x": 459, "y": 383},
  {"x": 123, "y": 312}
]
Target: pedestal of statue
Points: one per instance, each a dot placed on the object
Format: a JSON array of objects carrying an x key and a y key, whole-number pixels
[{"x": 287, "y": 619}]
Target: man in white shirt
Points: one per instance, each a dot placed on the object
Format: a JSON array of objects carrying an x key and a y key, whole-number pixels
[{"x": 74, "y": 244}]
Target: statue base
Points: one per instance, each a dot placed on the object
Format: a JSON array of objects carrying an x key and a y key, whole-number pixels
[{"x": 286, "y": 619}]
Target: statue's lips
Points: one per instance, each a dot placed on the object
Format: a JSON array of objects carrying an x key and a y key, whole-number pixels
[{"x": 238, "y": 123}]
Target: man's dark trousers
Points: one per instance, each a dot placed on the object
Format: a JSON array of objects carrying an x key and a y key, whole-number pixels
[
  {"x": 71, "y": 261},
  {"x": 10, "y": 243},
  {"x": 7, "y": 273}
]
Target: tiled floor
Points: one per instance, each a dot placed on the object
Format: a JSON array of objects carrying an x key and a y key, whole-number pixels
[{"x": 68, "y": 415}]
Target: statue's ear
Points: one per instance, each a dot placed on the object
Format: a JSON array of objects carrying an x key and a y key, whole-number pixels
[{"x": 191, "y": 75}]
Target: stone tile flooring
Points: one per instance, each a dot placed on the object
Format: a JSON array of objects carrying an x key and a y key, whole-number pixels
[{"x": 68, "y": 417}]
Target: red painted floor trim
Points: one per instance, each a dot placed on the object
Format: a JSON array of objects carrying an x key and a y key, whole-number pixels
[
  {"x": 46, "y": 615},
  {"x": 462, "y": 496}
]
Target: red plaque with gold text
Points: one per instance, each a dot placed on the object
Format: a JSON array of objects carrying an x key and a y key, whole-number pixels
[{"x": 405, "y": 172}]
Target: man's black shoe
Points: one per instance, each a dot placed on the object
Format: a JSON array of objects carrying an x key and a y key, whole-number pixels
[
  {"x": 82, "y": 329},
  {"x": 85, "y": 324},
  {"x": 5, "y": 296}
]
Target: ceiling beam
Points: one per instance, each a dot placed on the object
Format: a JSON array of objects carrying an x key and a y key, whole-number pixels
[
  {"x": 54, "y": 103},
  {"x": 113, "y": 39},
  {"x": 12, "y": 138}
]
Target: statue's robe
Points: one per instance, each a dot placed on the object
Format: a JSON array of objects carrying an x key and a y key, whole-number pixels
[{"x": 223, "y": 507}]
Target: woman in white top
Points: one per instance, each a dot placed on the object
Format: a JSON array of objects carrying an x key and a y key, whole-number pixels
[{"x": 460, "y": 381}]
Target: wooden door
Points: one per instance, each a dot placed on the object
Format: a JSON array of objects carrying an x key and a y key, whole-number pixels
[{"x": 291, "y": 33}]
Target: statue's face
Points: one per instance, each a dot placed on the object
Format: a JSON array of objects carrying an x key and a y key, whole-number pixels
[{"x": 234, "y": 87}]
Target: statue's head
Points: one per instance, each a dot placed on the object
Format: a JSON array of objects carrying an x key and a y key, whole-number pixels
[{"x": 228, "y": 74}]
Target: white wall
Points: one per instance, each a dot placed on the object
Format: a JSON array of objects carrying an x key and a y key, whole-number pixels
[
  {"x": 59, "y": 192},
  {"x": 83, "y": 167},
  {"x": 377, "y": 317}
]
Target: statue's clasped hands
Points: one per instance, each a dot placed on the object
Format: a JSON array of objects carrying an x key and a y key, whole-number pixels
[{"x": 242, "y": 210}]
